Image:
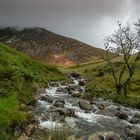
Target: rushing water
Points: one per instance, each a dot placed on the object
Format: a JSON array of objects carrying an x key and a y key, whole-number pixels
[{"x": 83, "y": 122}]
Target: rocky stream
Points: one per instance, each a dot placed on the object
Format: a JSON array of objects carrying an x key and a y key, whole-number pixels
[{"x": 61, "y": 106}]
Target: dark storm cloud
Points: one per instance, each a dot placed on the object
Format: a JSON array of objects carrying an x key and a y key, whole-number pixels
[{"x": 86, "y": 20}]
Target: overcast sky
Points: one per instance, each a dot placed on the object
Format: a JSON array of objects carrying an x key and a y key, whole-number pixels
[{"x": 86, "y": 20}]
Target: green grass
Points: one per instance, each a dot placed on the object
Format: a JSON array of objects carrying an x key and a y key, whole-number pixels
[
  {"x": 19, "y": 78},
  {"x": 102, "y": 85}
]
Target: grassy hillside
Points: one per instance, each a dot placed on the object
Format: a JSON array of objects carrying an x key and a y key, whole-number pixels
[
  {"x": 102, "y": 84},
  {"x": 20, "y": 76}
]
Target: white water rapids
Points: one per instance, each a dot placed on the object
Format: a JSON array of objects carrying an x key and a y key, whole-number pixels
[{"x": 85, "y": 122}]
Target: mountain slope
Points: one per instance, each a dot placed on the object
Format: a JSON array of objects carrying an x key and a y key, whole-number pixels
[
  {"x": 49, "y": 47},
  {"x": 20, "y": 78}
]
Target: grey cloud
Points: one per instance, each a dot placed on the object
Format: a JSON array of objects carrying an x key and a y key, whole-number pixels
[{"x": 86, "y": 20}]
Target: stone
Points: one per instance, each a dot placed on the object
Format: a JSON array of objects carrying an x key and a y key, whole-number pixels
[
  {"x": 85, "y": 105},
  {"x": 112, "y": 136},
  {"x": 66, "y": 112},
  {"x": 82, "y": 83},
  {"x": 59, "y": 103},
  {"x": 76, "y": 94},
  {"x": 135, "y": 120},
  {"x": 133, "y": 132},
  {"x": 30, "y": 129},
  {"x": 74, "y": 74},
  {"x": 47, "y": 98},
  {"x": 33, "y": 102},
  {"x": 17, "y": 131},
  {"x": 137, "y": 115},
  {"x": 23, "y": 136},
  {"x": 105, "y": 136},
  {"x": 122, "y": 115},
  {"x": 101, "y": 107}
]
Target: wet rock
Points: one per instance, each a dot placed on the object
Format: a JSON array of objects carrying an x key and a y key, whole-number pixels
[
  {"x": 33, "y": 102},
  {"x": 23, "y": 136},
  {"x": 74, "y": 74},
  {"x": 135, "y": 120},
  {"x": 105, "y": 136},
  {"x": 59, "y": 103},
  {"x": 108, "y": 112},
  {"x": 82, "y": 83},
  {"x": 64, "y": 90},
  {"x": 122, "y": 115},
  {"x": 101, "y": 107},
  {"x": 137, "y": 115},
  {"x": 17, "y": 131},
  {"x": 30, "y": 129},
  {"x": 45, "y": 98},
  {"x": 72, "y": 87},
  {"x": 66, "y": 112},
  {"x": 76, "y": 94},
  {"x": 133, "y": 132},
  {"x": 85, "y": 105},
  {"x": 112, "y": 136}
]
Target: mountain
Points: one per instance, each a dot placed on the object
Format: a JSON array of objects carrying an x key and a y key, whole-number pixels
[{"x": 49, "y": 47}]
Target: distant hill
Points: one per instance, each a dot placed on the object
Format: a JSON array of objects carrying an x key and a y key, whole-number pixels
[{"x": 49, "y": 47}]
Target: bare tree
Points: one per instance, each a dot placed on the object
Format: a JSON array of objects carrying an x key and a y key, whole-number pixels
[{"x": 125, "y": 42}]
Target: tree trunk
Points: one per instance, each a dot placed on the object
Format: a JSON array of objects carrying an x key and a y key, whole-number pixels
[
  {"x": 125, "y": 90},
  {"x": 118, "y": 88}
]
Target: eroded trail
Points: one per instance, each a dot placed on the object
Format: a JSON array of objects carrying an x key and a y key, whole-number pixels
[{"x": 61, "y": 107}]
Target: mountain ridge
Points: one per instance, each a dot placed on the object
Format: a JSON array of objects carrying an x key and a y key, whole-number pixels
[{"x": 49, "y": 47}]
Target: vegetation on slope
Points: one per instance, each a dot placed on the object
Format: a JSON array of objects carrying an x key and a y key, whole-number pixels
[
  {"x": 20, "y": 76},
  {"x": 102, "y": 85}
]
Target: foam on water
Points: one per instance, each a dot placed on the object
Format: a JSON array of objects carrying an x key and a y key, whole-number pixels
[
  {"x": 91, "y": 117},
  {"x": 50, "y": 124}
]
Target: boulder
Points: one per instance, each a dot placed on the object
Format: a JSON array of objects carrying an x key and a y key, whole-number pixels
[
  {"x": 135, "y": 120},
  {"x": 101, "y": 107},
  {"x": 47, "y": 99},
  {"x": 64, "y": 90},
  {"x": 105, "y": 136},
  {"x": 82, "y": 83},
  {"x": 133, "y": 132},
  {"x": 85, "y": 105},
  {"x": 137, "y": 115},
  {"x": 66, "y": 112},
  {"x": 59, "y": 103},
  {"x": 76, "y": 94},
  {"x": 122, "y": 115},
  {"x": 112, "y": 136}
]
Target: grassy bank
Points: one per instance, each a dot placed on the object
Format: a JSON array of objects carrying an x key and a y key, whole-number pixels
[
  {"x": 19, "y": 78},
  {"x": 102, "y": 83}
]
